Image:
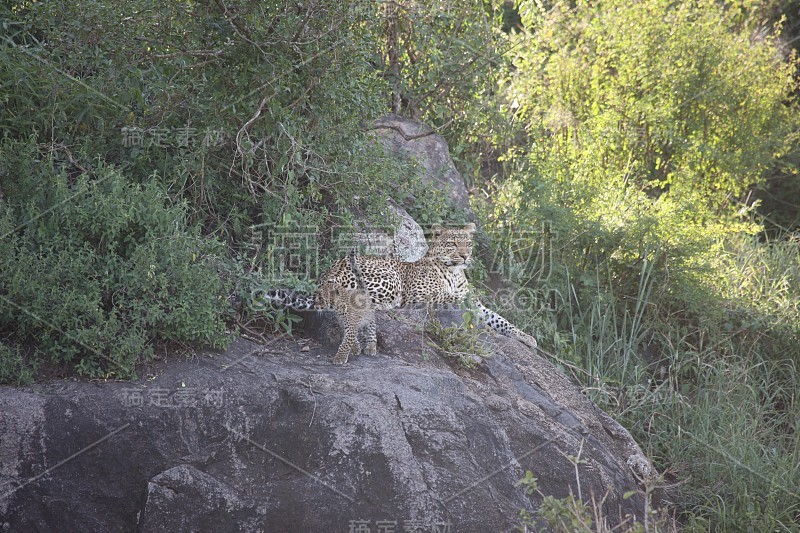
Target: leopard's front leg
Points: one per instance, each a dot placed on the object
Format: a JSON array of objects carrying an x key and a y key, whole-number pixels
[
  {"x": 349, "y": 344},
  {"x": 372, "y": 339}
]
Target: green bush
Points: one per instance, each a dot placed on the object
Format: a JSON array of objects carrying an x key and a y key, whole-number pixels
[
  {"x": 644, "y": 126},
  {"x": 656, "y": 96},
  {"x": 96, "y": 269},
  {"x": 646, "y": 123},
  {"x": 14, "y": 369},
  {"x": 254, "y": 113},
  {"x": 187, "y": 121}
]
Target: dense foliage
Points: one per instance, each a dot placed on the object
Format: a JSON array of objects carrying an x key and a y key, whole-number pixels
[
  {"x": 139, "y": 136},
  {"x": 96, "y": 267},
  {"x": 646, "y": 126},
  {"x": 615, "y": 150}
]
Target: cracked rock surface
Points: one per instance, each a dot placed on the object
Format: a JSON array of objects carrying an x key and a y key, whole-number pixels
[{"x": 278, "y": 439}]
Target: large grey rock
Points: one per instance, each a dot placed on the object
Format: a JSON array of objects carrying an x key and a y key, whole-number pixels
[
  {"x": 409, "y": 239},
  {"x": 411, "y": 138},
  {"x": 402, "y": 239},
  {"x": 273, "y": 438}
]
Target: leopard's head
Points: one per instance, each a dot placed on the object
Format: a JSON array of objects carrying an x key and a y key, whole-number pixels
[{"x": 451, "y": 246}]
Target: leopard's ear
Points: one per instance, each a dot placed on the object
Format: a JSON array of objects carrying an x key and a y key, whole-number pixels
[
  {"x": 470, "y": 228},
  {"x": 437, "y": 230}
]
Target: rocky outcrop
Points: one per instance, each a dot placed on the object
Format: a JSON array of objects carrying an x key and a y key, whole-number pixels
[
  {"x": 410, "y": 138},
  {"x": 276, "y": 438}
]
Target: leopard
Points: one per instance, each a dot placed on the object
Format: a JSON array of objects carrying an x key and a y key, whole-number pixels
[
  {"x": 436, "y": 278},
  {"x": 354, "y": 310}
]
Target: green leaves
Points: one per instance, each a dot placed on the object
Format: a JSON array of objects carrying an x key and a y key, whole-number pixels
[
  {"x": 95, "y": 270},
  {"x": 646, "y": 124},
  {"x": 674, "y": 97},
  {"x": 529, "y": 482}
]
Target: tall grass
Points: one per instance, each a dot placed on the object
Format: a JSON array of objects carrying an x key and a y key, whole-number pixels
[{"x": 714, "y": 400}]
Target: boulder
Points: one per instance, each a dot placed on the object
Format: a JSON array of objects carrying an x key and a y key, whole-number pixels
[
  {"x": 410, "y": 138},
  {"x": 276, "y": 438},
  {"x": 403, "y": 240}
]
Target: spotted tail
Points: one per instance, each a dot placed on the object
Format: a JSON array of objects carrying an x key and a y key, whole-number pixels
[
  {"x": 494, "y": 321},
  {"x": 352, "y": 258}
]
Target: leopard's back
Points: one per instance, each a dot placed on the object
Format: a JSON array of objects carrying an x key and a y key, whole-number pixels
[
  {"x": 380, "y": 276},
  {"x": 429, "y": 281},
  {"x": 436, "y": 278}
]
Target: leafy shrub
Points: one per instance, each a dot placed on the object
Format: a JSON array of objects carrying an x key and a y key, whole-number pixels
[
  {"x": 255, "y": 114},
  {"x": 459, "y": 343},
  {"x": 96, "y": 269},
  {"x": 13, "y": 368},
  {"x": 645, "y": 124},
  {"x": 667, "y": 97},
  {"x": 224, "y": 119}
]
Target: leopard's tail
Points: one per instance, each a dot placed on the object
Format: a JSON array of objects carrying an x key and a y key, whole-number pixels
[
  {"x": 496, "y": 322},
  {"x": 353, "y": 260}
]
